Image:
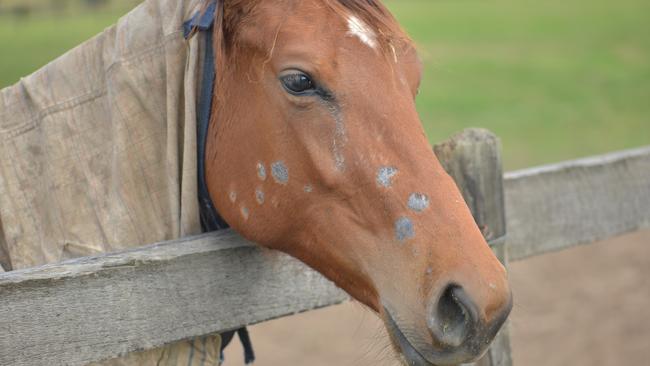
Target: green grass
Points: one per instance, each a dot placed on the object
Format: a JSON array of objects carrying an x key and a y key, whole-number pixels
[
  {"x": 28, "y": 43},
  {"x": 554, "y": 79}
]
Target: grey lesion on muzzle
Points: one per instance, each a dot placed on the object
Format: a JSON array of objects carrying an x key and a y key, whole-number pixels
[
  {"x": 418, "y": 202},
  {"x": 259, "y": 196},
  {"x": 404, "y": 229},
  {"x": 280, "y": 172},
  {"x": 385, "y": 176},
  {"x": 261, "y": 171}
]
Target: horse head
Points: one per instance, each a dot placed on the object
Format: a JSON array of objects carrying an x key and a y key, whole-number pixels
[{"x": 316, "y": 149}]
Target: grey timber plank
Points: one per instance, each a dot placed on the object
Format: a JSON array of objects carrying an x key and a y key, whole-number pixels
[
  {"x": 557, "y": 206},
  {"x": 102, "y": 307}
]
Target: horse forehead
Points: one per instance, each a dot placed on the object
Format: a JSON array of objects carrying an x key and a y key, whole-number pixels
[{"x": 313, "y": 24}]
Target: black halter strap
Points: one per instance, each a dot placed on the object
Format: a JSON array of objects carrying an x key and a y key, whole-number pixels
[{"x": 210, "y": 218}]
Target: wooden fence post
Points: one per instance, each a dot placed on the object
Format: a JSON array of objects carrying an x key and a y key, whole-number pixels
[{"x": 473, "y": 159}]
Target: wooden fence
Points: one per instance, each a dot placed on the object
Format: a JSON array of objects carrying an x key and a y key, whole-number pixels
[{"x": 100, "y": 307}]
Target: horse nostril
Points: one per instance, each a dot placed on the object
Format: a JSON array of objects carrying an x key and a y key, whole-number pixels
[{"x": 453, "y": 317}]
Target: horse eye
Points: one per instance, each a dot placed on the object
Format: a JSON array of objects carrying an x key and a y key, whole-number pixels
[{"x": 297, "y": 83}]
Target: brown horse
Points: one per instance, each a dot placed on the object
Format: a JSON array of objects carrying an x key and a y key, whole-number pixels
[{"x": 315, "y": 148}]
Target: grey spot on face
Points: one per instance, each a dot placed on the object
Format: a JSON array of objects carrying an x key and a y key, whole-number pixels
[
  {"x": 429, "y": 270},
  {"x": 404, "y": 229},
  {"x": 233, "y": 196},
  {"x": 261, "y": 171},
  {"x": 244, "y": 212},
  {"x": 308, "y": 188},
  {"x": 340, "y": 137},
  {"x": 418, "y": 202},
  {"x": 280, "y": 172},
  {"x": 259, "y": 196},
  {"x": 385, "y": 176}
]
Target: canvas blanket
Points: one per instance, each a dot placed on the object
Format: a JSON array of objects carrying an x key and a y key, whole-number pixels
[{"x": 98, "y": 152}]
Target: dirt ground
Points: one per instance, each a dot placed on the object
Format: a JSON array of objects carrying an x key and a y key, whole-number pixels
[{"x": 586, "y": 306}]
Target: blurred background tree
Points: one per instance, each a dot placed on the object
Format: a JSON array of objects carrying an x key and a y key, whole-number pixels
[{"x": 555, "y": 79}]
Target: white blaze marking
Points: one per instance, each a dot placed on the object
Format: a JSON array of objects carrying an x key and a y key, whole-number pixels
[{"x": 359, "y": 29}]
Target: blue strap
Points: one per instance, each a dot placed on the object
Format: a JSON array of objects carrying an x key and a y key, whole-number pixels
[
  {"x": 203, "y": 22},
  {"x": 200, "y": 21}
]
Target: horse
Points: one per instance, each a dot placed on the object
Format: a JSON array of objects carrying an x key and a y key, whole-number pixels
[{"x": 315, "y": 148}]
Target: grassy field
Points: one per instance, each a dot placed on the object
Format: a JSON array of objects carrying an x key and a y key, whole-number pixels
[
  {"x": 554, "y": 79},
  {"x": 27, "y": 43}
]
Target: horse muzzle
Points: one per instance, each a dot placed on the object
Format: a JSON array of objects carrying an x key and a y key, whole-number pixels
[{"x": 456, "y": 332}]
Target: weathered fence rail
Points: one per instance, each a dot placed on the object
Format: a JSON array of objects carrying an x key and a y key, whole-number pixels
[
  {"x": 577, "y": 202},
  {"x": 93, "y": 308},
  {"x": 100, "y": 307}
]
